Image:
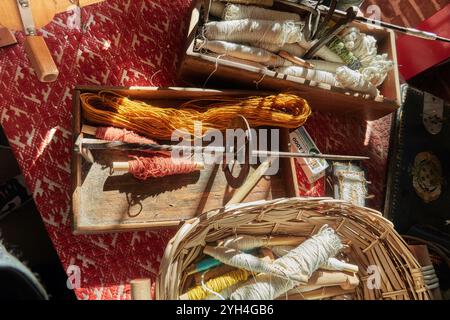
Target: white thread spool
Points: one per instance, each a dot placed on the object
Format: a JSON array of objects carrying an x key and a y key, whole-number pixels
[
  {"x": 325, "y": 65},
  {"x": 350, "y": 79},
  {"x": 248, "y": 30},
  {"x": 332, "y": 264},
  {"x": 237, "y": 12},
  {"x": 292, "y": 48},
  {"x": 309, "y": 74},
  {"x": 243, "y": 52},
  {"x": 303, "y": 260}
]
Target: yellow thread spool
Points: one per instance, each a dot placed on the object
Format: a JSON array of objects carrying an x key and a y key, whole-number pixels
[{"x": 217, "y": 284}]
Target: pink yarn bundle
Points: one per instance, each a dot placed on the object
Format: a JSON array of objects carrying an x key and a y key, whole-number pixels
[{"x": 155, "y": 167}]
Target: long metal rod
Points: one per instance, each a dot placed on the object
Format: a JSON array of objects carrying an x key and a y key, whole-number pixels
[
  {"x": 409, "y": 31},
  {"x": 333, "y": 157},
  {"x": 92, "y": 144}
]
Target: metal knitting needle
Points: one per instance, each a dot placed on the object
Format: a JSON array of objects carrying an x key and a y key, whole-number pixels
[
  {"x": 97, "y": 144},
  {"x": 409, "y": 31}
]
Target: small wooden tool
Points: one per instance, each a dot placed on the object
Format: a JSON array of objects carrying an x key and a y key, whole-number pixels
[
  {"x": 30, "y": 15},
  {"x": 141, "y": 289}
]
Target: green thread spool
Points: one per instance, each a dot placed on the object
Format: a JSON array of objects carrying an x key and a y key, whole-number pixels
[{"x": 337, "y": 46}]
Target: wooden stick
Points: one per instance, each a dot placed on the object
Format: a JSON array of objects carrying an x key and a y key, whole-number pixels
[
  {"x": 296, "y": 60},
  {"x": 141, "y": 289},
  {"x": 7, "y": 38},
  {"x": 124, "y": 166},
  {"x": 89, "y": 129},
  {"x": 277, "y": 241},
  {"x": 322, "y": 293},
  {"x": 41, "y": 59},
  {"x": 328, "y": 279},
  {"x": 250, "y": 183}
]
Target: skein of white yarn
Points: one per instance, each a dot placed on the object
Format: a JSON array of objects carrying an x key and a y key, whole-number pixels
[
  {"x": 376, "y": 72},
  {"x": 332, "y": 264},
  {"x": 249, "y": 30},
  {"x": 237, "y": 12},
  {"x": 304, "y": 260},
  {"x": 292, "y": 48},
  {"x": 243, "y": 52},
  {"x": 350, "y": 79},
  {"x": 325, "y": 65},
  {"x": 309, "y": 74}
]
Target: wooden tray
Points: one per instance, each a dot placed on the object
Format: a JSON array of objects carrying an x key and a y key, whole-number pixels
[
  {"x": 102, "y": 202},
  {"x": 196, "y": 67}
]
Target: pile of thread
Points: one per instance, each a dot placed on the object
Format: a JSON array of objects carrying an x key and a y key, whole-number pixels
[
  {"x": 147, "y": 164},
  {"x": 245, "y": 267},
  {"x": 285, "y": 110},
  {"x": 249, "y": 30}
]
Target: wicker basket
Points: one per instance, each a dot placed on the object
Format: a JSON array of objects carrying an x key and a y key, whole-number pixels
[{"x": 371, "y": 240}]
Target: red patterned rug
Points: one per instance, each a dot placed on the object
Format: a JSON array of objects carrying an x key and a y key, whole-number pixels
[{"x": 122, "y": 43}]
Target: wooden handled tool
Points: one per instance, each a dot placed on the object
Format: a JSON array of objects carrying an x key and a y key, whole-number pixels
[
  {"x": 250, "y": 183},
  {"x": 30, "y": 15},
  {"x": 43, "y": 11},
  {"x": 141, "y": 289},
  {"x": 276, "y": 241}
]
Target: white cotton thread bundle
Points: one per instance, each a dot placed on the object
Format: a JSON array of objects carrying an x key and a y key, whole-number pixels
[
  {"x": 331, "y": 264},
  {"x": 363, "y": 46},
  {"x": 244, "y": 242},
  {"x": 309, "y": 74},
  {"x": 303, "y": 260},
  {"x": 291, "y": 48},
  {"x": 311, "y": 254},
  {"x": 243, "y": 52},
  {"x": 375, "y": 67},
  {"x": 324, "y": 53},
  {"x": 325, "y": 65},
  {"x": 264, "y": 3},
  {"x": 378, "y": 69},
  {"x": 238, "y": 12},
  {"x": 351, "y": 79},
  {"x": 249, "y": 30}
]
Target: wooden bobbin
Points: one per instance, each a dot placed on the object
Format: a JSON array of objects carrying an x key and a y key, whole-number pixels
[
  {"x": 141, "y": 289},
  {"x": 423, "y": 257},
  {"x": 296, "y": 60}
]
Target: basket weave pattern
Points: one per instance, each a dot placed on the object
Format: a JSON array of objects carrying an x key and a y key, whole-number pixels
[{"x": 370, "y": 238}]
